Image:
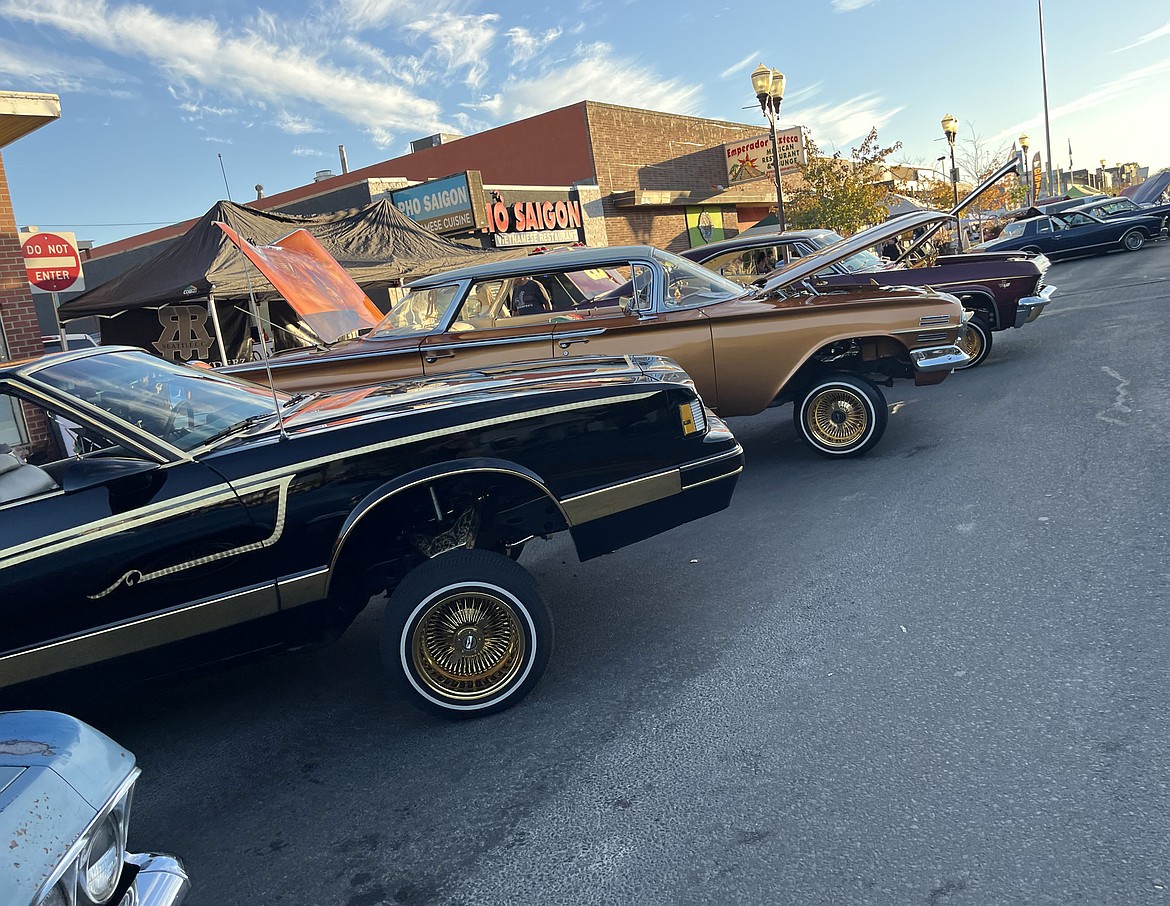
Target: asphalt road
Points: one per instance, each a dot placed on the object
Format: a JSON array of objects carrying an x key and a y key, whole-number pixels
[{"x": 936, "y": 675}]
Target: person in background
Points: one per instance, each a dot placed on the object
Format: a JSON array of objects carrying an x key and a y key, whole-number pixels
[{"x": 529, "y": 297}]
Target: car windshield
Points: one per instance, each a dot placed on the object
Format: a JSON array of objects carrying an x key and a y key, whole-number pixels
[
  {"x": 1012, "y": 230},
  {"x": 688, "y": 283},
  {"x": 182, "y": 406},
  {"x": 419, "y": 311},
  {"x": 865, "y": 260}
]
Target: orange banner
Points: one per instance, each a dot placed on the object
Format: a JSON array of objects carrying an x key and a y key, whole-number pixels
[{"x": 312, "y": 282}]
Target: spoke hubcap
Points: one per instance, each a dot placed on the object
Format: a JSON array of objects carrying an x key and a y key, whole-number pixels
[
  {"x": 468, "y": 646},
  {"x": 837, "y": 417},
  {"x": 971, "y": 342}
]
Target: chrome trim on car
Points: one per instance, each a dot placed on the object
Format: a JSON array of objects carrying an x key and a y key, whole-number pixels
[
  {"x": 939, "y": 358},
  {"x": 1029, "y": 307},
  {"x": 137, "y": 635},
  {"x": 277, "y": 364},
  {"x": 495, "y": 341},
  {"x": 303, "y": 588},
  {"x": 931, "y": 320},
  {"x": 161, "y": 880}
]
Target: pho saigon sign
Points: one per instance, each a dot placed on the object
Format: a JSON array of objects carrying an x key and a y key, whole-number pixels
[
  {"x": 447, "y": 205},
  {"x": 533, "y": 216},
  {"x": 751, "y": 158}
]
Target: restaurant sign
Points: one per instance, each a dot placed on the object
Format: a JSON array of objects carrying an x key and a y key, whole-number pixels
[
  {"x": 448, "y": 205},
  {"x": 751, "y": 158},
  {"x": 527, "y": 216}
]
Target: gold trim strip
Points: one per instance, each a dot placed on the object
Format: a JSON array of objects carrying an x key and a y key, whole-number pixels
[
  {"x": 619, "y": 497},
  {"x": 138, "y": 635},
  {"x": 136, "y": 577}
]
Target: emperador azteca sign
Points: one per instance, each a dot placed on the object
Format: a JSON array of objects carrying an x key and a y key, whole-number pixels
[
  {"x": 752, "y": 158},
  {"x": 533, "y": 217}
]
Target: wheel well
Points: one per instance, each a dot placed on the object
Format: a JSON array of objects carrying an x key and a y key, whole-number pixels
[
  {"x": 882, "y": 357},
  {"x": 980, "y": 301},
  {"x": 487, "y": 509}
]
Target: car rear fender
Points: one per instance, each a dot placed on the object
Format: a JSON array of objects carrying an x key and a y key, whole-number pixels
[{"x": 521, "y": 505}]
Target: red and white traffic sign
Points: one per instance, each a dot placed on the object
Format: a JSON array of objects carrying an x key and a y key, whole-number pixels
[{"x": 52, "y": 262}]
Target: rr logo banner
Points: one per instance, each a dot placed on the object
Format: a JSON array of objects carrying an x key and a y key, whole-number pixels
[{"x": 184, "y": 335}]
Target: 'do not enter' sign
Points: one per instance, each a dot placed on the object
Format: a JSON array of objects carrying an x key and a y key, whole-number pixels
[{"x": 51, "y": 261}]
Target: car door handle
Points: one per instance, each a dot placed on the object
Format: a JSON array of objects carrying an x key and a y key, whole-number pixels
[
  {"x": 565, "y": 344},
  {"x": 432, "y": 357}
]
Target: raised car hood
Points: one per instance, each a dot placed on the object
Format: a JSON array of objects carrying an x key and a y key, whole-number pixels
[{"x": 807, "y": 266}]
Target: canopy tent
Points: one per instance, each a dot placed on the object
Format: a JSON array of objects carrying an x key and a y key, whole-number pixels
[
  {"x": 191, "y": 300},
  {"x": 1076, "y": 190},
  {"x": 377, "y": 244}
]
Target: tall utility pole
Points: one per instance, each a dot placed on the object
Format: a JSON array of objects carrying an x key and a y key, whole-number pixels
[{"x": 1044, "y": 78}]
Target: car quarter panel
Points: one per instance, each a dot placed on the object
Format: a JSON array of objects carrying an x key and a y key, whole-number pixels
[{"x": 761, "y": 343}]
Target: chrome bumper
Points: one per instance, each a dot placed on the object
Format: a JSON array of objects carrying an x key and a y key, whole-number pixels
[
  {"x": 1028, "y": 308},
  {"x": 161, "y": 881},
  {"x": 940, "y": 358}
]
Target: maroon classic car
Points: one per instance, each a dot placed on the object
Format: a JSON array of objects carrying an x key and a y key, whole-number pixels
[{"x": 1001, "y": 289}]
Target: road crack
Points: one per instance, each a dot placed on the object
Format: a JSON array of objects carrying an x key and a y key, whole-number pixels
[{"x": 1120, "y": 399}]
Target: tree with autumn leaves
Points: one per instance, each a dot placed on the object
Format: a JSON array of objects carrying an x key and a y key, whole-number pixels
[{"x": 840, "y": 194}]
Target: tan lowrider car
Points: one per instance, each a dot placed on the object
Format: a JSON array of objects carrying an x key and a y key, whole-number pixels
[{"x": 747, "y": 350}]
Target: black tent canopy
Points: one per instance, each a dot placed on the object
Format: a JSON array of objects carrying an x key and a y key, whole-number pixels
[{"x": 377, "y": 244}]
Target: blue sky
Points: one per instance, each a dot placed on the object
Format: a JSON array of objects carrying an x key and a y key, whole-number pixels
[{"x": 152, "y": 93}]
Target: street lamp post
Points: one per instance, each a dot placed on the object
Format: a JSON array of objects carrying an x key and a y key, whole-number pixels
[
  {"x": 950, "y": 127},
  {"x": 768, "y": 84},
  {"x": 1027, "y": 169}
]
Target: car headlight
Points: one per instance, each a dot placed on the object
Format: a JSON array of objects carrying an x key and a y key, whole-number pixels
[
  {"x": 101, "y": 863},
  {"x": 92, "y": 870}
]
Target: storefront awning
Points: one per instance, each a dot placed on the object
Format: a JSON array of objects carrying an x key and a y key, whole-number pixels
[{"x": 22, "y": 113}]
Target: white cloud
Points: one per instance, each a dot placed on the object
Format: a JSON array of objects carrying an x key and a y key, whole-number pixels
[
  {"x": 195, "y": 54},
  {"x": 31, "y": 68},
  {"x": 847, "y": 6},
  {"x": 1146, "y": 38},
  {"x": 525, "y": 45},
  {"x": 306, "y": 152},
  {"x": 741, "y": 65},
  {"x": 295, "y": 125},
  {"x": 838, "y": 124},
  {"x": 594, "y": 73},
  {"x": 459, "y": 41}
]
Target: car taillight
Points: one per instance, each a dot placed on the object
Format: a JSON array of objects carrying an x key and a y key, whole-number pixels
[{"x": 694, "y": 419}]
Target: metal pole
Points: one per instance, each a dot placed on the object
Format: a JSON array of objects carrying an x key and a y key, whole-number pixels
[
  {"x": 218, "y": 330},
  {"x": 776, "y": 164},
  {"x": 1044, "y": 79}
]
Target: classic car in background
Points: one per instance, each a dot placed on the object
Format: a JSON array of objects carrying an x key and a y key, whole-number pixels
[
  {"x": 789, "y": 340},
  {"x": 179, "y": 516},
  {"x": 1111, "y": 208},
  {"x": 1000, "y": 290},
  {"x": 65, "y": 794},
  {"x": 1072, "y": 233}
]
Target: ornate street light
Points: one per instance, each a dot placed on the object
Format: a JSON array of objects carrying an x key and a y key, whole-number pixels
[
  {"x": 768, "y": 85},
  {"x": 950, "y": 127},
  {"x": 1027, "y": 167}
]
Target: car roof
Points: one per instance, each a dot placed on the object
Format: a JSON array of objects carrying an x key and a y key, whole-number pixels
[
  {"x": 762, "y": 237},
  {"x": 568, "y": 259}
]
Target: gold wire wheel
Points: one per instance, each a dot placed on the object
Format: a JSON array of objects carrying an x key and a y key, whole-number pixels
[
  {"x": 468, "y": 646},
  {"x": 971, "y": 342},
  {"x": 837, "y": 417}
]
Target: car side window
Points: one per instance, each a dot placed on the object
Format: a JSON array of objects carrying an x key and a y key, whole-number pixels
[
  {"x": 1044, "y": 226},
  {"x": 39, "y": 443}
]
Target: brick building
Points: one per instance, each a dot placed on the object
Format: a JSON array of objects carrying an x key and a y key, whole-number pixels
[
  {"x": 20, "y": 334},
  {"x": 640, "y": 177}
]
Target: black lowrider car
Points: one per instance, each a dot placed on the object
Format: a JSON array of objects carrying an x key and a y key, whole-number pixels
[
  {"x": 65, "y": 795},
  {"x": 178, "y": 516}
]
